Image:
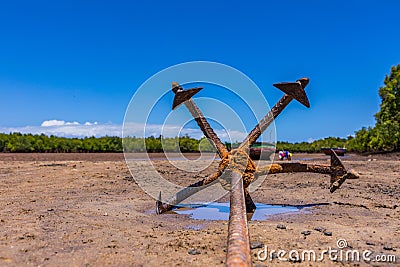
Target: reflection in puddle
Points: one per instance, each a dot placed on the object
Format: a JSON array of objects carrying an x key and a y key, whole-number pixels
[{"x": 220, "y": 211}]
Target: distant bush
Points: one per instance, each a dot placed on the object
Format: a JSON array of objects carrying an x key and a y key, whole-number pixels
[{"x": 312, "y": 147}]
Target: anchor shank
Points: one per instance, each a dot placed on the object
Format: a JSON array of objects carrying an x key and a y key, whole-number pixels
[{"x": 238, "y": 253}]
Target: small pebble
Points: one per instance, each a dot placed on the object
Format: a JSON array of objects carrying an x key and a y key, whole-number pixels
[
  {"x": 281, "y": 226},
  {"x": 320, "y": 229},
  {"x": 307, "y": 232},
  {"x": 328, "y": 233},
  {"x": 256, "y": 244},
  {"x": 388, "y": 247},
  {"x": 194, "y": 251}
]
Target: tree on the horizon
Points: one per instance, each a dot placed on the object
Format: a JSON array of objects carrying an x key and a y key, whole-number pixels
[
  {"x": 385, "y": 136},
  {"x": 388, "y": 118}
]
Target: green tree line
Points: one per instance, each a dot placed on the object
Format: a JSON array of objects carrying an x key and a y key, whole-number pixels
[
  {"x": 17, "y": 142},
  {"x": 23, "y": 143},
  {"x": 160, "y": 144}
]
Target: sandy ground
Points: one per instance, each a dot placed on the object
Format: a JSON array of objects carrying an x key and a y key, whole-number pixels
[{"x": 86, "y": 210}]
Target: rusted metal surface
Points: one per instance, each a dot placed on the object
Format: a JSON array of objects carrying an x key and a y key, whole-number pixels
[
  {"x": 351, "y": 174},
  {"x": 184, "y": 96},
  {"x": 238, "y": 252},
  {"x": 295, "y": 90}
]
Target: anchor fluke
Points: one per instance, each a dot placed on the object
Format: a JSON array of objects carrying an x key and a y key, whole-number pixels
[
  {"x": 159, "y": 205},
  {"x": 339, "y": 173},
  {"x": 182, "y": 95},
  {"x": 295, "y": 90}
]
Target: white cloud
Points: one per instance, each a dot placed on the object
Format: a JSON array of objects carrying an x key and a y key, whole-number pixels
[
  {"x": 89, "y": 123},
  {"x": 50, "y": 123},
  {"x": 68, "y": 129},
  {"x": 72, "y": 123}
]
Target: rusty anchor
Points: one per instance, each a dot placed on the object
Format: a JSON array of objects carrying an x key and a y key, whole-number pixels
[
  {"x": 292, "y": 91},
  {"x": 237, "y": 169}
]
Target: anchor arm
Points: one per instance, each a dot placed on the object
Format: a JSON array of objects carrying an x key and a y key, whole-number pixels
[
  {"x": 185, "y": 97},
  {"x": 336, "y": 170},
  {"x": 292, "y": 91},
  {"x": 188, "y": 191}
]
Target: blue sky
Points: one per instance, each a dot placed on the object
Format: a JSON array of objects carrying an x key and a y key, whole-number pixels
[{"x": 81, "y": 61}]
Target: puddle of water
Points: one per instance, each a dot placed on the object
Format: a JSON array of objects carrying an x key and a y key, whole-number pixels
[
  {"x": 220, "y": 211},
  {"x": 196, "y": 227},
  {"x": 311, "y": 158}
]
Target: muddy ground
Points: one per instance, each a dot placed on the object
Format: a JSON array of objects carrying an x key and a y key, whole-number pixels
[{"x": 86, "y": 210}]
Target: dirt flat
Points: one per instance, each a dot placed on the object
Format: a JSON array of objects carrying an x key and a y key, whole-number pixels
[
  {"x": 86, "y": 210},
  {"x": 91, "y": 157}
]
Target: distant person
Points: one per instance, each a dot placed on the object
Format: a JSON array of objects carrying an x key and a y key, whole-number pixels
[{"x": 285, "y": 155}]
